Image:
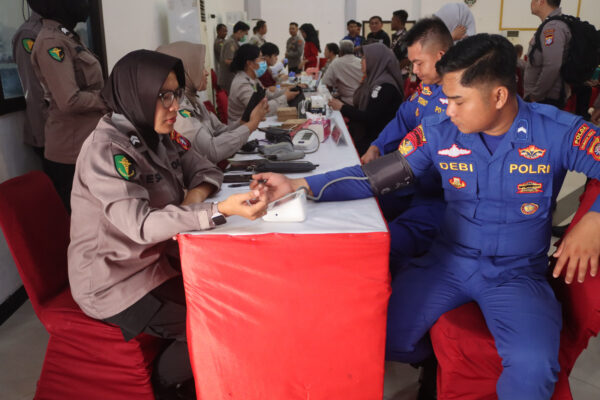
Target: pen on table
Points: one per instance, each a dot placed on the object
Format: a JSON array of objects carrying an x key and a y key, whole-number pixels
[{"x": 242, "y": 184}]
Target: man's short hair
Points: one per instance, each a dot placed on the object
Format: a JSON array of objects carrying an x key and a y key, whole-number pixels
[
  {"x": 240, "y": 26},
  {"x": 294, "y": 23},
  {"x": 268, "y": 49},
  {"x": 346, "y": 47},
  {"x": 553, "y": 3},
  {"x": 332, "y": 47},
  {"x": 427, "y": 31},
  {"x": 484, "y": 58},
  {"x": 352, "y": 22},
  {"x": 401, "y": 14},
  {"x": 220, "y": 26},
  {"x": 376, "y": 17},
  {"x": 259, "y": 24}
]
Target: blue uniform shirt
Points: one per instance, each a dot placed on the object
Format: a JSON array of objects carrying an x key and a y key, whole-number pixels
[
  {"x": 430, "y": 100},
  {"x": 500, "y": 204}
]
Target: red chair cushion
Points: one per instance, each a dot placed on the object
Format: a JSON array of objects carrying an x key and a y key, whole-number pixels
[{"x": 222, "y": 103}]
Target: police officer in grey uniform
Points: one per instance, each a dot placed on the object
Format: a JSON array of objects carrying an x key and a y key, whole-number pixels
[
  {"x": 137, "y": 183},
  {"x": 542, "y": 81},
  {"x": 37, "y": 108},
  {"x": 71, "y": 76},
  {"x": 239, "y": 35},
  {"x": 294, "y": 49},
  {"x": 218, "y": 46},
  {"x": 202, "y": 128}
]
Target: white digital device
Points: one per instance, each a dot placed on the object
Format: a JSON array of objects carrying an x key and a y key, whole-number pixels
[
  {"x": 306, "y": 140},
  {"x": 289, "y": 208}
]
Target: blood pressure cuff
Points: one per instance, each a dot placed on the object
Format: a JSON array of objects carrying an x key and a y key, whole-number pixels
[{"x": 388, "y": 173}]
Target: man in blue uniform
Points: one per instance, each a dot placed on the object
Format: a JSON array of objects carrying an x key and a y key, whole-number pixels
[
  {"x": 502, "y": 163},
  {"x": 415, "y": 221}
]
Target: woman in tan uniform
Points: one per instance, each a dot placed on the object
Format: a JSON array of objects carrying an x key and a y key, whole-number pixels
[
  {"x": 249, "y": 65},
  {"x": 137, "y": 183},
  {"x": 208, "y": 135},
  {"x": 71, "y": 76}
]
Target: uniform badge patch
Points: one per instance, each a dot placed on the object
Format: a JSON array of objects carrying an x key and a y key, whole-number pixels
[
  {"x": 180, "y": 140},
  {"x": 135, "y": 140},
  {"x": 185, "y": 113},
  {"x": 413, "y": 96},
  {"x": 406, "y": 147},
  {"x": 532, "y": 153},
  {"x": 28, "y": 44},
  {"x": 594, "y": 149},
  {"x": 586, "y": 139},
  {"x": 548, "y": 39},
  {"x": 125, "y": 167},
  {"x": 530, "y": 187},
  {"x": 438, "y": 109},
  {"x": 417, "y": 112},
  {"x": 579, "y": 135},
  {"x": 454, "y": 152},
  {"x": 375, "y": 92},
  {"x": 412, "y": 140},
  {"x": 423, "y": 102},
  {"x": 427, "y": 91},
  {"x": 529, "y": 208},
  {"x": 444, "y": 101},
  {"x": 457, "y": 182},
  {"x": 57, "y": 53}
]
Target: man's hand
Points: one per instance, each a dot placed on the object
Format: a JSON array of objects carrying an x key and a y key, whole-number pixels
[
  {"x": 581, "y": 248},
  {"x": 459, "y": 32},
  {"x": 595, "y": 119},
  {"x": 198, "y": 194},
  {"x": 371, "y": 154},
  {"x": 335, "y": 104},
  {"x": 277, "y": 185},
  {"x": 250, "y": 205}
]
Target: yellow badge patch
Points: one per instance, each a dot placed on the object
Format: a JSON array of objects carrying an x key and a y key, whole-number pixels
[
  {"x": 28, "y": 44},
  {"x": 57, "y": 53}
]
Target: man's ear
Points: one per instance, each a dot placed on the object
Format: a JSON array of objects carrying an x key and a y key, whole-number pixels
[{"x": 500, "y": 96}]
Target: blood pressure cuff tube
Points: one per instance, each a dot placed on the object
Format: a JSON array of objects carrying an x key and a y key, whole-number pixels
[{"x": 388, "y": 173}]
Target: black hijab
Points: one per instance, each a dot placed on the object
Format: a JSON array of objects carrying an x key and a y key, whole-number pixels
[
  {"x": 67, "y": 12},
  {"x": 133, "y": 86}
]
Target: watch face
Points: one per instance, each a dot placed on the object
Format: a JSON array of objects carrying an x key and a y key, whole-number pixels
[{"x": 219, "y": 219}]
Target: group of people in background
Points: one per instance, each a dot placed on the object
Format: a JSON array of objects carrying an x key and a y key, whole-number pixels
[{"x": 134, "y": 156}]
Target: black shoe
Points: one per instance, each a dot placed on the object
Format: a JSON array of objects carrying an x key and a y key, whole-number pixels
[
  {"x": 559, "y": 231},
  {"x": 428, "y": 380}
]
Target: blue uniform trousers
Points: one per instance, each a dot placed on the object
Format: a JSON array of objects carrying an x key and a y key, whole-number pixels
[{"x": 520, "y": 310}]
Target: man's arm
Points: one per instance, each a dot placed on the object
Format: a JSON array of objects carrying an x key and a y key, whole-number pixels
[{"x": 554, "y": 40}]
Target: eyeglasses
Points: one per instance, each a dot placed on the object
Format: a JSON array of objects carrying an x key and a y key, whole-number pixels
[{"x": 167, "y": 97}]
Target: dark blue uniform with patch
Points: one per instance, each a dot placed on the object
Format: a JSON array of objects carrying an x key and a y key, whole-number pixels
[{"x": 494, "y": 242}]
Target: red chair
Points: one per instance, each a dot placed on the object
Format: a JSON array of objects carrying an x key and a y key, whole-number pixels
[
  {"x": 222, "y": 104},
  {"x": 209, "y": 106},
  {"x": 322, "y": 61},
  {"x": 85, "y": 358},
  {"x": 469, "y": 365}
]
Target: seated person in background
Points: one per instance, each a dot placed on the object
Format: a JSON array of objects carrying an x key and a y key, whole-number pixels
[
  {"x": 208, "y": 135},
  {"x": 231, "y": 45},
  {"x": 312, "y": 46},
  {"x": 344, "y": 74},
  {"x": 377, "y": 34},
  {"x": 270, "y": 53},
  {"x": 331, "y": 52},
  {"x": 249, "y": 65},
  {"x": 459, "y": 20},
  {"x": 137, "y": 183},
  {"x": 354, "y": 33},
  {"x": 377, "y": 98}
]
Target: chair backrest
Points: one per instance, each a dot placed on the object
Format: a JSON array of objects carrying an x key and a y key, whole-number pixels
[
  {"x": 213, "y": 79},
  {"x": 222, "y": 104},
  {"x": 209, "y": 106},
  {"x": 35, "y": 224}
]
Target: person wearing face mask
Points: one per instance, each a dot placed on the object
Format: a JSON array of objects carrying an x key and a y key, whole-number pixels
[
  {"x": 137, "y": 184},
  {"x": 71, "y": 77},
  {"x": 208, "y": 135},
  {"x": 231, "y": 45},
  {"x": 249, "y": 65}
]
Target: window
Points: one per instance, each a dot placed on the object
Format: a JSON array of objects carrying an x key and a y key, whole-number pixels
[{"x": 14, "y": 13}]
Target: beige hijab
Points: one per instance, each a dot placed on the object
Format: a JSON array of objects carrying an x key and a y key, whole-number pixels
[{"x": 193, "y": 57}]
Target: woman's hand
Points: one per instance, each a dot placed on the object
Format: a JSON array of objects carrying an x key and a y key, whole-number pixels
[
  {"x": 257, "y": 115},
  {"x": 250, "y": 205},
  {"x": 289, "y": 95},
  {"x": 335, "y": 104}
]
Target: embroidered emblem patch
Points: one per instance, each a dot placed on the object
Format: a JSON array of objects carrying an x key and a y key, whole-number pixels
[
  {"x": 426, "y": 91},
  {"x": 586, "y": 139},
  {"x": 529, "y": 208},
  {"x": 548, "y": 39},
  {"x": 532, "y": 153},
  {"x": 135, "y": 140},
  {"x": 579, "y": 135},
  {"x": 413, "y": 96},
  {"x": 57, "y": 53},
  {"x": 423, "y": 102},
  {"x": 375, "y": 92},
  {"x": 457, "y": 182},
  {"x": 594, "y": 149},
  {"x": 124, "y": 166},
  {"x": 185, "y": 113},
  {"x": 444, "y": 101},
  {"x": 406, "y": 147},
  {"x": 180, "y": 140},
  {"x": 28, "y": 44},
  {"x": 417, "y": 112},
  {"x": 454, "y": 152},
  {"x": 529, "y": 187}
]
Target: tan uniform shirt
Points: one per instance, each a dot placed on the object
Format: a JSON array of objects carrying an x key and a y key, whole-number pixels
[
  {"x": 258, "y": 40},
  {"x": 126, "y": 208},
  {"x": 344, "y": 74},
  {"x": 542, "y": 78},
  {"x": 72, "y": 79},
  {"x": 217, "y": 48},
  {"x": 242, "y": 89},
  {"x": 294, "y": 50},
  {"x": 208, "y": 135},
  {"x": 37, "y": 108},
  {"x": 225, "y": 75}
]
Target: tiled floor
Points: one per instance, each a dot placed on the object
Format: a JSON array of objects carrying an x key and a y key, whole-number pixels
[{"x": 23, "y": 343}]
